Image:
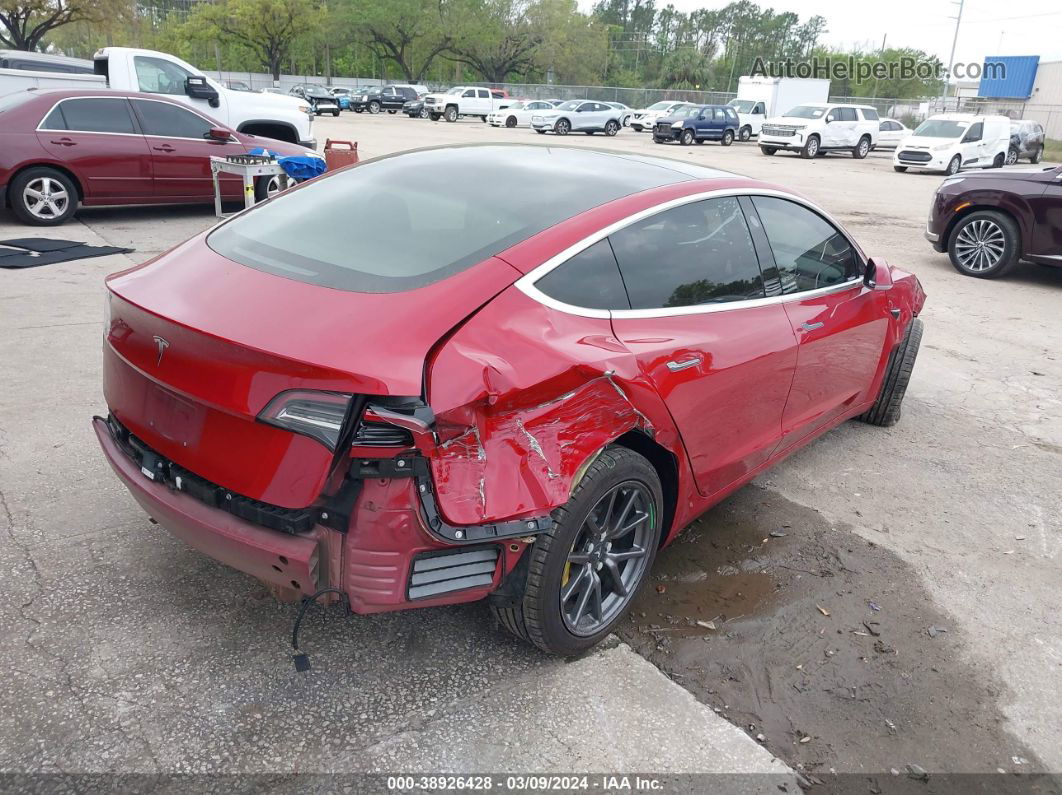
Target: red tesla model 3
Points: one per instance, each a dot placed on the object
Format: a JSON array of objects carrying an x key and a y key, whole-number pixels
[
  {"x": 62, "y": 148},
  {"x": 514, "y": 394}
]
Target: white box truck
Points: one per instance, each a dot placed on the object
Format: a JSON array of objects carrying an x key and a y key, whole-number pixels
[
  {"x": 126, "y": 69},
  {"x": 760, "y": 98}
]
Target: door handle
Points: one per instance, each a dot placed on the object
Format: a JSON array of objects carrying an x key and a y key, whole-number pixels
[
  {"x": 675, "y": 367},
  {"x": 164, "y": 148},
  {"x": 811, "y": 326},
  {"x": 65, "y": 142}
]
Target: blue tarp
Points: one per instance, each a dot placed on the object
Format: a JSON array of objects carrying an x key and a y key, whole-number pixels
[{"x": 298, "y": 167}]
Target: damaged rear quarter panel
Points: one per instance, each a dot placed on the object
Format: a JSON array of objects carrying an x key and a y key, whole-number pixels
[{"x": 523, "y": 396}]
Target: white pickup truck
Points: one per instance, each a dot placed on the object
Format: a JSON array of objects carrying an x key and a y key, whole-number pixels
[
  {"x": 465, "y": 101},
  {"x": 275, "y": 116}
]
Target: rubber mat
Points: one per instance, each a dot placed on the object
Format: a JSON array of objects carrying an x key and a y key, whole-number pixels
[{"x": 31, "y": 252}]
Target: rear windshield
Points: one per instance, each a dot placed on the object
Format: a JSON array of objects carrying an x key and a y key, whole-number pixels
[{"x": 426, "y": 215}]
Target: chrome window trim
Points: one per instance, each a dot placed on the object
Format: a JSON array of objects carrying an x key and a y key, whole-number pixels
[
  {"x": 128, "y": 100},
  {"x": 526, "y": 283},
  {"x": 59, "y": 102}
]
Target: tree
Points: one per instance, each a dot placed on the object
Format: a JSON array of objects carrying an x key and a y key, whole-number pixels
[
  {"x": 267, "y": 28},
  {"x": 410, "y": 33},
  {"x": 26, "y": 22},
  {"x": 497, "y": 38}
]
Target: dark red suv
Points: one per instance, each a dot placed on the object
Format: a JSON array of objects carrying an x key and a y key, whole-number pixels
[
  {"x": 515, "y": 394},
  {"x": 989, "y": 220}
]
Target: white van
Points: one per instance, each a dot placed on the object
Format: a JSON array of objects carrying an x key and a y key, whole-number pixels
[{"x": 950, "y": 141}]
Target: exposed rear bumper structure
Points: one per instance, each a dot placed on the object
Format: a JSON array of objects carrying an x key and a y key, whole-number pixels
[{"x": 287, "y": 561}]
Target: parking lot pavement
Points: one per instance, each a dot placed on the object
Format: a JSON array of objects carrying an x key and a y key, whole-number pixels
[{"x": 128, "y": 651}]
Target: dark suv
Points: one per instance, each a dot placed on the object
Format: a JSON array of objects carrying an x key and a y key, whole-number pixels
[
  {"x": 389, "y": 98},
  {"x": 698, "y": 123},
  {"x": 987, "y": 221}
]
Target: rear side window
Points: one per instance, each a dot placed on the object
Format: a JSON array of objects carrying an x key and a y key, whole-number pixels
[
  {"x": 590, "y": 279},
  {"x": 164, "y": 119},
  {"x": 844, "y": 114},
  {"x": 91, "y": 115},
  {"x": 698, "y": 253},
  {"x": 810, "y": 253},
  {"x": 870, "y": 114}
]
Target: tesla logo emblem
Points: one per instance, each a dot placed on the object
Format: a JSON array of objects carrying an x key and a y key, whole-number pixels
[{"x": 162, "y": 345}]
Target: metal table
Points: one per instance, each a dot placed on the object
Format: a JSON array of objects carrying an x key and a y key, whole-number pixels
[{"x": 248, "y": 171}]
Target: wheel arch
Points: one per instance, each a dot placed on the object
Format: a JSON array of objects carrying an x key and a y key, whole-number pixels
[
  {"x": 977, "y": 207},
  {"x": 667, "y": 469},
  {"x": 44, "y": 164},
  {"x": 259, "y": 126}
]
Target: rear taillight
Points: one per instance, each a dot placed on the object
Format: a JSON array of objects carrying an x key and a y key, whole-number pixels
[{"x": 319, "y": 415}]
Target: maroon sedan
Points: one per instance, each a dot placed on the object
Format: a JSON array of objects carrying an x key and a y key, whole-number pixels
[
  {"x": 514, "y": 394},
  {"x": 60, "y": 148}
]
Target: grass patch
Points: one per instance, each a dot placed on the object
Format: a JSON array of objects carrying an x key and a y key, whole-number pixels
[{"x": 1052, "y": 150}]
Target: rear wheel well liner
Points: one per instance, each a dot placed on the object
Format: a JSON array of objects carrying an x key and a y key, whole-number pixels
[{"x": 666, "y": 466}]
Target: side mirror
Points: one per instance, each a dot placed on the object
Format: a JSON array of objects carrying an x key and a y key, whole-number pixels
[
  {"x": 878, "y": 275},
  {"x": 219, "y": 134},
  {"x": 199, "y": 88},
  {"x": 830, "y": 119}
]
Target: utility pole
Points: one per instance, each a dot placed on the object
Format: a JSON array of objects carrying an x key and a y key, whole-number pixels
[
  {"x": 881, "y": 54},
  {"x": 951, "y": 59}
]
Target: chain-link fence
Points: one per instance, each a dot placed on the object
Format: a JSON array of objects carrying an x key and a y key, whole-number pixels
[{"x": 910, "y": 111}]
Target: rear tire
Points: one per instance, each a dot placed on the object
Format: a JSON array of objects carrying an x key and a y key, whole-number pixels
[
  {"x": 43, "y": 196},
  {"x": 999, "y": 160},
  {"x": 433, "y": 116},
  {"x": 745, "y": 133},
  {"x": 728, "y": 137},
  {"x": 1037, "y": 156},
  {"x": 886, "y": 409},
  {"x": 767, "y": 150},
  {"x": 901, "y": 169},
  {"x": 267, "y": 187},
  {"x": 542, "y": 616}
]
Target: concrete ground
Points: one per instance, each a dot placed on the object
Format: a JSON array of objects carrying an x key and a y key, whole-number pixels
[{"x": 127, "y": 651}]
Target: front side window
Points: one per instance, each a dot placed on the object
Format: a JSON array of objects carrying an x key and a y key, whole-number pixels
[
  {"x": 699, "y": 253},
  {"x": 96, "y": 115},
  {"x": 975, "y": 132},
  {"x": 164, "y": 119},
  {"x": 809, "y": 252},
  {"x": 158, "y": 76},
  {"x": 590, "y": 279},
  {"x": 470, "y": 93}
]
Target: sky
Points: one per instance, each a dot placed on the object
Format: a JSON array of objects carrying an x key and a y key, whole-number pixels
[{"x": 1032, "y": 27}]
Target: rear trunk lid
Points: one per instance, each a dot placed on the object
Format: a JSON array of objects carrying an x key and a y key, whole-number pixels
[{"x": 198, "y": 345}]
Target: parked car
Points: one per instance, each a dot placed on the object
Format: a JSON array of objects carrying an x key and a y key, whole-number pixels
[
  {"x": 415, "y": 108},
  {"x": 318, "y": 96},
  {"x": 351, "y": 418},
  {"x": 389, "y": 98},
  {"x": 342, "y": 97},
  {"x": 990, "y": 220},
  {"x": 579, "y": 115},
  {"x": 812, "y": 130},
  {"x": 646, "y": 119},
  {"x": 626, "y": 113},
  {"x": 60, "y": 149},
  {"x": 465, "y": 101},
  {"x": 1026, "y": 140},
  {"x": 697, "y": 124},
  {"x": 44, "y": 62},
  {"x": 283, "y": 118},
  {"x": 891, "y": 133},
  {"x": 238, "y": 85},
  {"x": 950, "y": 141},
  {"x": 519, "y": 113}
]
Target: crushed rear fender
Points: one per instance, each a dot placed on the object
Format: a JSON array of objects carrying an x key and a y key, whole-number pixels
[{"x": 524, "y": 397}]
